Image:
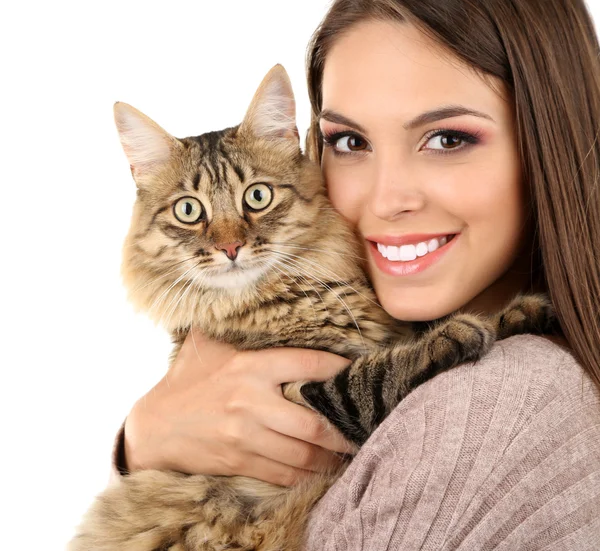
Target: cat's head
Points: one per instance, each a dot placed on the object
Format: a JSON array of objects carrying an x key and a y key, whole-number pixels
[{"x": 221, "y": 210}]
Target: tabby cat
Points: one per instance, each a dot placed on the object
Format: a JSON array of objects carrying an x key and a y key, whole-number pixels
[{"x": 232, "y": 233}]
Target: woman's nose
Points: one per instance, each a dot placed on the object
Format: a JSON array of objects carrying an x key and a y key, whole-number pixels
[{"x": 395, "y": 190}]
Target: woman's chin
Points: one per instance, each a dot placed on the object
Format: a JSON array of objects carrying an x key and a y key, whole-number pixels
[{"x": 415, "y": 310}]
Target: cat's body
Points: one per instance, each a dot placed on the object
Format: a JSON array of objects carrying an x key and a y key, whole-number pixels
[{"x": 286, "y": 274}]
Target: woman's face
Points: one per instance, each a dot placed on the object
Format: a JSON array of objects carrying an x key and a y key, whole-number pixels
[{"x": 420, "y": 155}]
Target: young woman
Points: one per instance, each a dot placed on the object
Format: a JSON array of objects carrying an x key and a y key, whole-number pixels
[{"x": 471, "y": 127}]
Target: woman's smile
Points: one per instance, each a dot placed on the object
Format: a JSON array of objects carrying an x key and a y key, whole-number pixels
[{"x": 411, "y": 258}]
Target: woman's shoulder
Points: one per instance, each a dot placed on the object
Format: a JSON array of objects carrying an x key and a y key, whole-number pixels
[
  {"x": 524, "y": 379},
  {"x": 545, "y": 358},
  {"x": 523, "y": 390},
  {"x": 534, "y": 370},
  {"x": 528, "y": 356},
  {"x": 507, "y": 447}
]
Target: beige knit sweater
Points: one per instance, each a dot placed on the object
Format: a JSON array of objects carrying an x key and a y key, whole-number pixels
[{"x": 503, "y": 454}]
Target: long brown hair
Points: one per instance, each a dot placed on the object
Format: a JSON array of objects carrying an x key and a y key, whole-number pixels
[{"x": 546, "y": 52}]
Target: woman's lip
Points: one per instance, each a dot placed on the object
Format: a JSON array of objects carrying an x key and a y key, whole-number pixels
[
  {"x": 412, "y": 239},
  {"x": 412, "y": 267}
]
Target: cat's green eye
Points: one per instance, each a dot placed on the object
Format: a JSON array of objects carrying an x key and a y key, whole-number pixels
[
  {"x": 188, "y": 210},
  {"x": 258, "y": 196}
]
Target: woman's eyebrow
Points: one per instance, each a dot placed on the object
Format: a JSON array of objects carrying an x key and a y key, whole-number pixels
[
  {"x": 332, "y": 116},
  {"x": 443, "y": 113},
  {"x": 424, "y": 118}
]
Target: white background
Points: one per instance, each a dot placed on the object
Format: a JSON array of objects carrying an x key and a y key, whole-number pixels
[{"x": 74, "y": 355}]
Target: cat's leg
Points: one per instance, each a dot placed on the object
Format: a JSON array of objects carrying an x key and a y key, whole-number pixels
[{"x": 359, "y": 398}]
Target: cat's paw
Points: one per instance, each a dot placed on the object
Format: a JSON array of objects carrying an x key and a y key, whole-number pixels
[
  {"x": 526, "y": 314},
  {"x": 293, "y": 392},
  {"x": 459, "y": 339}
]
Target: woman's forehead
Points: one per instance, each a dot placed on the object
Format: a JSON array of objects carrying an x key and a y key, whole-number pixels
[{"x": 382, "y": 70}]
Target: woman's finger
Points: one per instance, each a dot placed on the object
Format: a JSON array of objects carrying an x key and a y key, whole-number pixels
[
  {"x": 293, "y": 452},
  {"x": 285, "y": 365},
  {"x": 303, "y": 424},
  {"x": 271, "y": 471}
]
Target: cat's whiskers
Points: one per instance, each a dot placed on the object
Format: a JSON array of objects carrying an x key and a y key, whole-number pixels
[
  {"x": 338, "y": 209},
  {"x": 274, "y": 266},
  {"x": 297, "y": 265},
  {"x": 150, "y": 282},
  {"x": 198, "y": 282},
  {"x": 171, "y": 310},
  {"x": 333, "y": 275},
  {"x": 336, "y": 295},
  {"x": 333, "y": 252},
  {"x": 192, "y": 316},
  {"x": 157, "y": 301},
  {"x": 296, "y": 272},
  {"x": 180, "y": 292}
]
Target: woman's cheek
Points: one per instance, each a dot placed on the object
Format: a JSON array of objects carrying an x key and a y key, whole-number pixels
[{"x": 346, "y": 188}]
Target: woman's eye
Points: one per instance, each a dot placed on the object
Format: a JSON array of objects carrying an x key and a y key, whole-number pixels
[
  {"x": 188, "y": 210},
  {"x": 350, "y": 143},
  {"x": 344, "y": 143},
  {"x": 445, "y": 141}
]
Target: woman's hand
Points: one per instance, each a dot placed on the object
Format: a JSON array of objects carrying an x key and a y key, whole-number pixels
[{"x": 220, "y": 411}]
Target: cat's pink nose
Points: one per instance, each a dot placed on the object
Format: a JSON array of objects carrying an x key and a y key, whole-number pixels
[{"x": 230, "y": 249}]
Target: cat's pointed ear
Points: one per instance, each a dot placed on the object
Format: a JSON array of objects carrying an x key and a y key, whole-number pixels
[
  {"x": 272, "y": 113},
  {"x": 147, "y": 146}
]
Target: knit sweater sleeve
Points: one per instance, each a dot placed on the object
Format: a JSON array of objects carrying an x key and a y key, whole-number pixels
[{"x": 503, "y": 454}]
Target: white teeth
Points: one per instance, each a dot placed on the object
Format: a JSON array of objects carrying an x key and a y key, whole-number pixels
[
  {"x": 421, "y": 249},
  {"x": 393, "y": 253},
  {"x": 406, "y": 253}
]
